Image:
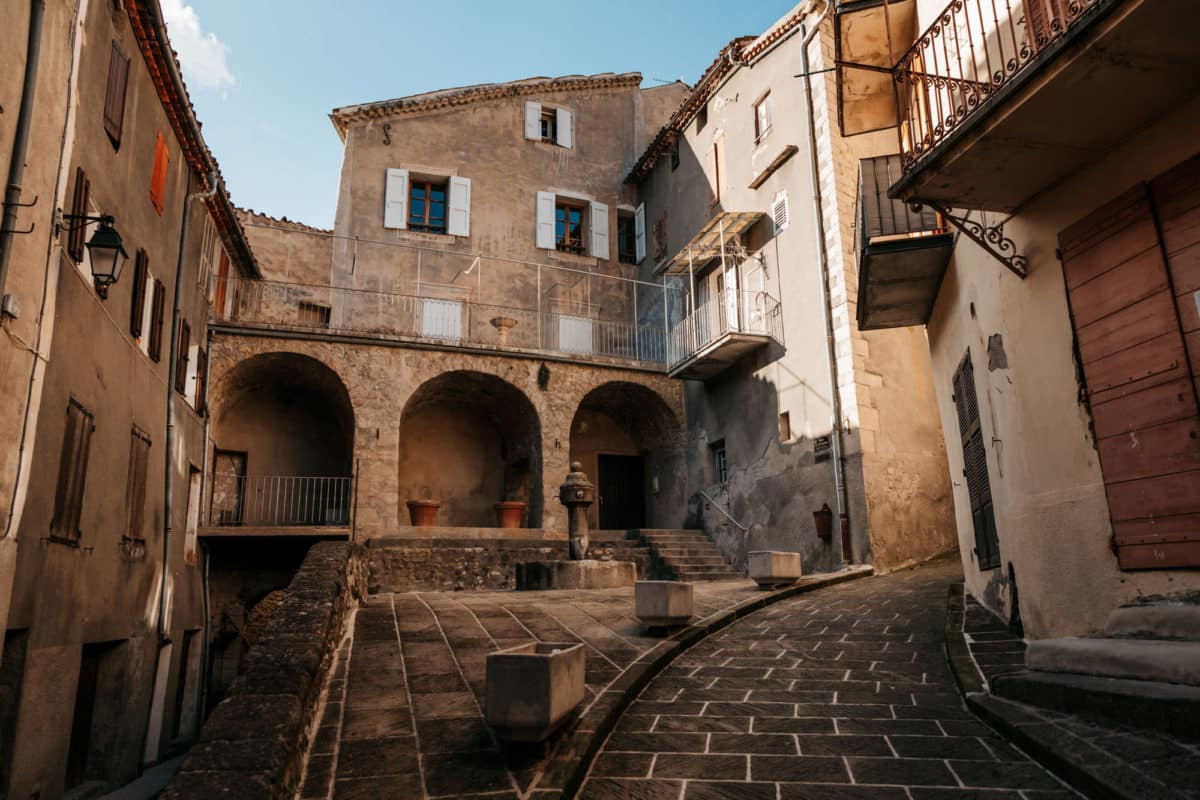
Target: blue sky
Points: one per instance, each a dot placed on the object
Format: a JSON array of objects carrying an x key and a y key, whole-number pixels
[{"x": 264, "y": 74}]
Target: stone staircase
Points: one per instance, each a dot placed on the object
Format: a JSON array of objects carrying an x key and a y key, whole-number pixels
[{"x": 685, "y": 555}]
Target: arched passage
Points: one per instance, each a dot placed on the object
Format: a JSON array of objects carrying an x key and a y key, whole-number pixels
[
  {"x": 470, "y": 440},
  {"x": 626, "y": 437},
  {"x": 283, "y": 428}
]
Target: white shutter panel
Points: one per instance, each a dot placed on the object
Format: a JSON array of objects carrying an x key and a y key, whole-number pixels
[
  {"x": 395, "y": 200},
  {"x": 565, "y": 137},
  {"x": 599, "y": 230},
  {"x": 533, "y": 121},
  {"x": 545, "y": 220},
  {"x": 639, "y": 232},
  {"x": 458, "y": 223}
]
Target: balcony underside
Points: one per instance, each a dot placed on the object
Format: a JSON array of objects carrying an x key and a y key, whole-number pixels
[
  {"x": 718, "y": 355},
  {"x": 1087, "y": 92},
  {"x": 899, "y": 280}
]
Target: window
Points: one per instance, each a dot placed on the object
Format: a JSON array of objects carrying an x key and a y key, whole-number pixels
[
  {"x": 135, "y": 485},
  {"x": 427, "y": 206},
  {"x": 211, "y": 253},
  {"x": 549, "y": 125},
  {"x": 72, "y": 473},
  {"x": 76, "y": 229},
  {"x": 675, "y": 155},
  {"x": 314, "y": 315},
  {"x": 785, "y": 427},
  {"x": 979, "y": 489},
  {"x": 158, "y": 178},
  {"x": 701, "y": 117},
  {"x": 719, "y": 462},
  {"x": 157, "y": 307},
  {"x": 762, "y": 117},
  {"x": 201, "y": 381},
  {"x": 137, "y": 303},
  {"x": 626, "y": 239},
  {"x": 114, "y": 98},
  {"x": 779, "y": 212},
  {"x": 181, "y": 356},
  {"x": 715, "y": 169},
  {"x": 569, "y": 228}
]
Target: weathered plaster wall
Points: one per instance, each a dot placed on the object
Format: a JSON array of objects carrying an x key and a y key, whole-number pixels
[
  {"x": 289, "y": 251},
  {"x": 1051, "y": 510}
]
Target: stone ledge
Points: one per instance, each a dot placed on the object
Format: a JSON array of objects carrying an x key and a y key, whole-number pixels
[{"x": 253, "y": 744}]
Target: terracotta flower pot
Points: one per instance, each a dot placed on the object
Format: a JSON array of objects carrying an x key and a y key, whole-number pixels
[
  {"x": 423, "y": 512},
  {"x": 510, "y": 513}
]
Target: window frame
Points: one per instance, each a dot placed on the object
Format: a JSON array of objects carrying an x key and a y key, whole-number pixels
[
  {"x": 428, "y": 185},
  {"x": 116, "y": 95},
  {"x": 182, "y": 357},
  {"x": 626, "y": 229},
  {"x": 563, "y": 244},
  {"x": 762, "y": 113},
  {"x": 720, "y": 461},
  {"x": 548, "y": 120}
]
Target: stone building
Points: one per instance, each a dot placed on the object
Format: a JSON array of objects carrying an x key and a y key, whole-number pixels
[
  {"x": 1062, "y": 313},
  {"x": 101, "y": 585}
]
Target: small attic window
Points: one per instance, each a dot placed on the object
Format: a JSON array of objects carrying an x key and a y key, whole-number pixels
[{"x": 549, "y": 124}]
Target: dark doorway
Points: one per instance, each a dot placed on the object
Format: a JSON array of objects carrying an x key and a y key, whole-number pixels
[{"x": 621, "y": 492}]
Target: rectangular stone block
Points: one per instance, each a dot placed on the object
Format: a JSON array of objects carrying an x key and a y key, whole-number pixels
[
  {"x": 532, "y": 689},
  {"x": 773, "y": 568},
  {"x": 663, "y": 603}
]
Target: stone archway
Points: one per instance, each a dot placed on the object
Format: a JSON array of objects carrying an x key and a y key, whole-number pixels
[
  {"x": 470, "y": 440},
  {"x": 627, "y": 438}
]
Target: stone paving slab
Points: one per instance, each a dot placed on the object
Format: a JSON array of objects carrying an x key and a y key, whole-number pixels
[
  {"x": 842, "y": 693},
  {"x": 403, "y": 716}
]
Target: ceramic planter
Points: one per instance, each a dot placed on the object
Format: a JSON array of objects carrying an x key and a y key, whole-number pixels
[
  {"x": 771, "y": 569},
  {"x": 423, "y": 512},
  {"x": 533, "y": 689},
  {"x": 510, "y": 514},
  {"x": 663, "y": 603}
]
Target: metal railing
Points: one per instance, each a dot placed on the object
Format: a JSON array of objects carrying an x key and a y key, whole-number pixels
[
  {"x": 280, "y": 500},
  {"x": 972, "y": 49},
  {"x": 729, "y": 312}
]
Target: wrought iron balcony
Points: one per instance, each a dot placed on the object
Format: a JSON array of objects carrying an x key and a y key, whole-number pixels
[
  {"x": 243, "y": 504},
  {"x": 720, "y": 331},
  {"x": 902, "y": 252}
]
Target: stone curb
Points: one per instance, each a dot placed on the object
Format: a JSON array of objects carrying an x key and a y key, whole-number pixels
[{"x": 573, "y": 755}]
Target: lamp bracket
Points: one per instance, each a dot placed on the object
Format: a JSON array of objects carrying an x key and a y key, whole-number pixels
[{"x": 990, "y": 238}]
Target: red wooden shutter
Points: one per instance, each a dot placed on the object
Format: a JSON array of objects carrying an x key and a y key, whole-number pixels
[
  {"x": 158, "y": 179},
  {"x": 137, "y": 303},
  {"x": 181, "y": 356},
  {"x": 77, "y": 228},
  {"x": 1141, "y": 391},
  {"x": 156, "y": 320},
  {"x": 114, "y": 98}
]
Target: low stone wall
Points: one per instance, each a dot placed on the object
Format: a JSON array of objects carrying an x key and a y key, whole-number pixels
[
  {"x": 408, "y": 565},
  {"x": 253, "y": 744}
]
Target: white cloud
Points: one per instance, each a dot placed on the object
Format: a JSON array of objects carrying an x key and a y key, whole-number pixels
[{"x": 201, "y": 54}]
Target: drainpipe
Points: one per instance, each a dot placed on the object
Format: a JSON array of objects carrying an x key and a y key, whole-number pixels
[
  {"x": 839, "y": 457},
  {"x": 16, "y": 168},
  {"x": 172, "y": 370}
]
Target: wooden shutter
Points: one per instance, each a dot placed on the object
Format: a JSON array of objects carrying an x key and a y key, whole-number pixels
[
  {"x": 201, "y": 381},
  {"x": 72, "y": 472},
  {"x": 114, "y": 98},
  {"x": 533, "y": 121},
  {"x": 979, "y": 486},
  {"x": 137, "y": 303},
  {"x": 158, "y": 179},
  {"x": 458, "y": 221},
  {"x": 395, "y": 200},
  {"x": 1141, "y": 389},
  {"x": 564, "y": 135},
  {"x": 598, "y": 226},
  {"x": 77, "y": 228},
  {"x": 135, "y": 485},
  {"x": 181, "y": 356},
  {"x": 639, "y": 231},
  {"x": 156, "y": 320},
  {"x": 545, "y": 220},
  {"x": 1039, "y": 16}
]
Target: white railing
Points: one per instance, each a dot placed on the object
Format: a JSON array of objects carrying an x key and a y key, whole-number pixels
[
  {"x": 280, "y": 500},
  {"x": 729, "y": 312}
]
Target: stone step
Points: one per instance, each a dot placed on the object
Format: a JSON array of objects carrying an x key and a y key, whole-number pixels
[
  {"x": 1162, "y": 620},
  {"x": 686, "y": 552},
  {"x": 707, "y": 569},
  {"x": 1159, "y": 660},
  {"x": 694, "y": 577},
  {"x": 682, "y": 540},
  {"x": 695, "y": 561}
]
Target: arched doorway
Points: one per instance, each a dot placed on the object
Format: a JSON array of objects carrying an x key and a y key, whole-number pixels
[
  {"x": 627, "y": 437},
  {"x": 470, "y": 440},
  {"x": 283, "y": 430}
]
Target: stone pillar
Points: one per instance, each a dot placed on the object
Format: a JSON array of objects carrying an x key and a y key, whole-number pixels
[{"x": 577, "y": 493}]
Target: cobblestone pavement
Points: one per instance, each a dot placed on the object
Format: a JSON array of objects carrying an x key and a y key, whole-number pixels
[
  {"x": 841, "y": 694},
  {"x": 403, "y": 715}
]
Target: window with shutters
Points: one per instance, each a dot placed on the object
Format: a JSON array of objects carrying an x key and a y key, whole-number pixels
[
  {"x": 137, "y": 302},
  {"x": 626, "y": 238},
  {"x": 720, "y": 462},
  {"x": 135, "y": 484},
  {"x": 975, "y": 469},
  {"x": 762, "y": 117},
  {"x": 314, "y": 315},
  {"x": 181, "y": 356},
  {"x": 114, "y": 97},
  {"x": 158, "y": 177},
  {"x": 72, "y": 473},
  {"x": 427, "y": 205},
  {"x": 76, "y": 229},
  {"x": 549, "y": 125},
  {"x": 157, "y": 309},
  {"x": 201, "y": 404},
  {"x": 569, "y": 226},
  {"x": 211, "y": 252},
  {"x": 779, "y": 212}
]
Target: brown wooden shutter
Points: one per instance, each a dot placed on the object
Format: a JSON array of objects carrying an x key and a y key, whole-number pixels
[
  {"x": 158, "y": 178},
  {"x": 135, "y": 485},
  {"x": 114, "y": 98},
  {"x": 77, "y": 228},
  {"x": 979, "y": 485},
  {"x": 181, "y": 356},
  {"x": 1140, "y": 386},
  {"x": 156, "y": 320},
  {"x": 72, "y": 472},
  {"x": 137, "y": 302},
  {"x": 201, "y": 385}
]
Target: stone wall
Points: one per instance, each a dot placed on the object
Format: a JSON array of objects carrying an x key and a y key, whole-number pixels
[{"x": 253, "y": 744}]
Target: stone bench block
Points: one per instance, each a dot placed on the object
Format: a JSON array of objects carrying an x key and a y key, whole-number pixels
[
  {"x": 772, "y": 569},
  {"x": 533, "y": 689},
  {"x": 663, "y": 603}
]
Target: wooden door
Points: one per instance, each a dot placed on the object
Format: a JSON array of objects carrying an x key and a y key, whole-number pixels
[
  {"x": 1140, "y": 386},
  {"x": 975, "y": 470},
  {"x": 621, "y": 492}
]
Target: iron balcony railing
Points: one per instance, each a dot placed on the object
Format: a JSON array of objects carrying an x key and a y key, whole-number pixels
[
  {"x": 730, "y": 312},
  {"x": 280, "y": 500},
  {"x": 972, "y": 49}
]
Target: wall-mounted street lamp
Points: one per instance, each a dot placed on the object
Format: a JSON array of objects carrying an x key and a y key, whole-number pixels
[{"x": 106, "y": 251}]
